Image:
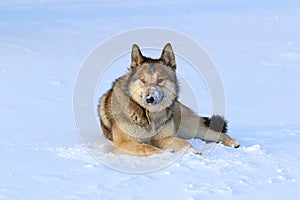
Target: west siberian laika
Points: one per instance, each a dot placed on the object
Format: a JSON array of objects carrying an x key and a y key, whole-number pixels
[{"x": 141, "y": 113}]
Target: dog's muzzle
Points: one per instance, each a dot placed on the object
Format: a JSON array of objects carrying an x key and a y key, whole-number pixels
[{"x": 152, "y": 95}]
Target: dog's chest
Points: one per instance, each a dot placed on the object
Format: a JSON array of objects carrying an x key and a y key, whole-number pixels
[
  {"x": 157, "y": 120},
  {"x": 144, "y": 133}
]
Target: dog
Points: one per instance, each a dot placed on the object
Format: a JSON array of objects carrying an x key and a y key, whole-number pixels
[{"x": 141, "y": 113}]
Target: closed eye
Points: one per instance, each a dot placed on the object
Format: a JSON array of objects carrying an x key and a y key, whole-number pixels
[{"x": 159, "y": 80}]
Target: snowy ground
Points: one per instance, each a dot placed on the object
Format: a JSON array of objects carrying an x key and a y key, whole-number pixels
[{"x": 256, "y": 48}]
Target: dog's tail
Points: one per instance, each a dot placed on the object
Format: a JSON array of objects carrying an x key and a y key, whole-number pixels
[{"x": 216, "y": 123}]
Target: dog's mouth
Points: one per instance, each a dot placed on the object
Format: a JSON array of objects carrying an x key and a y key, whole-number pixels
[{"x": 152, "y": 95}]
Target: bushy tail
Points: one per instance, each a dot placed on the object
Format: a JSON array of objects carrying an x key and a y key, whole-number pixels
[{"x": 216, "y": 123}]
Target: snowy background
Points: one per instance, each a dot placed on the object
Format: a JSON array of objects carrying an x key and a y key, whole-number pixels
[{"x": 255, "y": 46}]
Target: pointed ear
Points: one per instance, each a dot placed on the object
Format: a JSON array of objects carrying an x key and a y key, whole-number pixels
[
  {"x": 168, "y": 57},
  {"x": 137, "y": 57}
]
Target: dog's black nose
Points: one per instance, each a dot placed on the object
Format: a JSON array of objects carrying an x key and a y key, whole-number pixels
[
  {"x": 152, "y": 95},
  {"x": 150, "y": 99}
]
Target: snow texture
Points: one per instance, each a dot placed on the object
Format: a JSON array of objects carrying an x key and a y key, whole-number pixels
[{"x": 255, "y": 46}]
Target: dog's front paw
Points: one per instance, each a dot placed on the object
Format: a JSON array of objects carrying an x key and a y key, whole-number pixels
[
  {"x": 194, "y": 151},
  {"x": 231, "y": 143}
]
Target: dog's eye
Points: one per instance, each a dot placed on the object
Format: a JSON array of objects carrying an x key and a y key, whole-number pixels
[
  {"x": 159, "y": 80},
  {"x": 143, "y": 80}
]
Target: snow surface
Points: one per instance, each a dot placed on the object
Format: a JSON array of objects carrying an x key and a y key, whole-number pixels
[{"x": 255, "y": 46}]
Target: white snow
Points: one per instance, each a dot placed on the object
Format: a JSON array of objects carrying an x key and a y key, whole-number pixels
[
  {"x": 253, "y": 148},
  {"x": 256, "y": 48}
]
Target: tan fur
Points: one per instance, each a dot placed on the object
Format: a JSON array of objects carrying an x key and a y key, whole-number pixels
[
  {"x": 123, "y": 113},
  {"x": 166, "y": 139},
  {"x": 189, "y": 125}
]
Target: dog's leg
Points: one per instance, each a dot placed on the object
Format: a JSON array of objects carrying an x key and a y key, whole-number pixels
[
  {"x": 174, "y": 143},
  {"x": 188, "y": 125},
  {"x": 123, "y": 143},
  {"x": 171, "y": 142},
  {"x": 166, "y": 139}
]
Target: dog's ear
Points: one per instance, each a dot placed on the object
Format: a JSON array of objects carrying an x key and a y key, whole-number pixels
[
  {"x": 137, "y": 57},
  {"x": 168, "y": 57}
]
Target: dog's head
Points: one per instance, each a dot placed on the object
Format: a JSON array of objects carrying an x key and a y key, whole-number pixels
[{"x": 152, "y": 83}]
